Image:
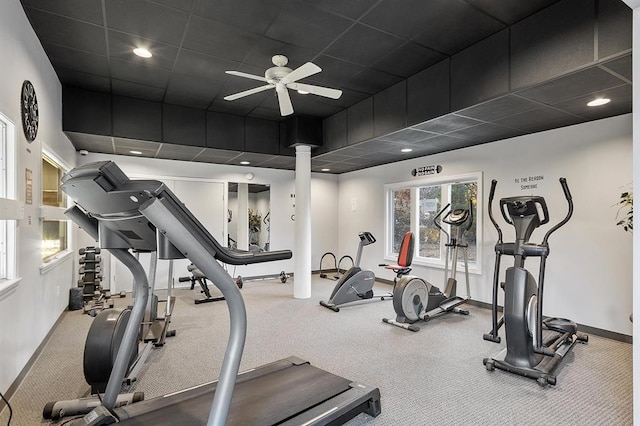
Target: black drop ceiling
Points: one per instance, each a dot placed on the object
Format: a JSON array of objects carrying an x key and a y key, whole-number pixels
[{"x": 381, "y": 53}]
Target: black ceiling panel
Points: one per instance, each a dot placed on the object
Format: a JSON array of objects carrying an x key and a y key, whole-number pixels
[
  {"x": 614, "y": 27},
  {"x": 91, "y": 142},
  {"x": 261, "y": 136},
  {"x": 447, "y": 123},
  {"x": 572, "y": 86},
  {"x": 378, "y": 43},
  {"x": 124, "y": 146},
  {"x": 137, "y": 119},
  {"x": 486, "y": 132},
  {"x": 78, "y": 60},
  {"x": 252, "y": 15},
  {"x": 407, "y": 60},
  {"x": 83, "y": 10},
  {"x": 225, "y": 131},
  {"x": 56, "y": 29},
  {"x": 498, "y": 108},
  {"x": 85, "y": 111},
  {"x": 555, "y": 41},
  {"x": 560, "y": 52},
  {"x": 252, "y": 157},
  {"x": 147, "y": 19},
  {"x": 306, "y": 26}
]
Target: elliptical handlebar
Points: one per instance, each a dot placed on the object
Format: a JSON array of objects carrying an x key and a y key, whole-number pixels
[
  {"x": 492, "y": 193},
  {"x": 567, "y": 195},
  {"x": 470, "y": 215},
  {"x": 436, "y": 221}
]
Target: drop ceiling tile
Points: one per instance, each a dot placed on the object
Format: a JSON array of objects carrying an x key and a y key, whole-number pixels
[
  {"x": 486, "y": 132},
  {"x": 253, "y": 15},
  {"x": 56, "y": 29},
  {"x": 254, "y": 158},
  {"x": 218, "y": 39},
  {"x": 501, "y": 107},
  {"x": 352, "y": 9},
  {"x": 621, "y": 103},
  {"x": 138, "y": 91},
  {"x": 539, "y": 120},
  {"x": 615, "y": 22},
  {"x": 139, "y": 72},
  {"x": 265, "y": 113},
  {"x": 83, "y": 80},
  {"x": 372, "y": 81},
  {"x": 92, "y": 143},
  {"x": 230, "y": 107},
  {"x": 621, "y": 66},
  {"x": 408, "y": 59},
  {"x": 349, "y": 45},
  {"x": 306, "y": 26},
  {"x": 335, "y": 72},
  {"x": 446, "y": 123},
  {"x": 184, "y": 5},
  {"x": 147, "y": 20},
  {"x": 572, "y": 86},
  {"x": 511, "y": 11},
  {"x": 218, "y": 155},
  {"x": 78, "y": 60},
  {"x": 261, "y": 54},
  {"x": 167, "y": 148},
  {"x": 189, "y": 90},
  {"x": 121, "y": 46},
  {"x": 124, "y": 143},
  {"x": 408, "y": 136},
  {"x": 452, "y": 26},
  {"x": 280, "y": 162},
  {"x": 83, "y": 10}
]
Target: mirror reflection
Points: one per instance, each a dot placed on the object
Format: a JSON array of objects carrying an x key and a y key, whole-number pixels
[{"x": 248, "y": 216}]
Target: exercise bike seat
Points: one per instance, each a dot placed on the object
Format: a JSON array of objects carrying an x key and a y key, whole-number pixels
[{"x": 405, "y": 257}]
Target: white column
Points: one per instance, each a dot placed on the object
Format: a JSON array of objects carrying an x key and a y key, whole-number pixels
[
  {"x": 242, "y": 231},
  {"x": 635, "y": 5},
  {"x": 302, "y": 244}
]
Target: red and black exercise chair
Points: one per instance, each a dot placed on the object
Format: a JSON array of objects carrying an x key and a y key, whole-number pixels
[{"x": 405, "y": 256}]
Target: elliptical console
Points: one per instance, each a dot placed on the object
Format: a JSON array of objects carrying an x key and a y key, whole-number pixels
[{"x": 535, "y": 346}]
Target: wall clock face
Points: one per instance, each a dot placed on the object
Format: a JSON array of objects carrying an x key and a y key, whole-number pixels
[{"x": 29, "y": 110}]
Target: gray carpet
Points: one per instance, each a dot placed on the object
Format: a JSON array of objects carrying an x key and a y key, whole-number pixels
[{"x": 433, "y": 376}]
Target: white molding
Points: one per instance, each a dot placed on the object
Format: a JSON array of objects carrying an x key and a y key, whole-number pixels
[
  {"x": 52, "y": 213},
  {"x": 11, "y": 209}
]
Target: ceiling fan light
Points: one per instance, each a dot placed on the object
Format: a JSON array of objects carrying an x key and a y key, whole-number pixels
[
  {"x": 599, "y": 101},
  {"x": 142, "y": 52}
]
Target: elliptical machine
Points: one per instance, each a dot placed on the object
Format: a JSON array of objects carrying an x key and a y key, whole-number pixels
[
  {"x": 415, "y": 299},
  {"x": 535, "y": 346},
  {"x": 356, "y": 284}
]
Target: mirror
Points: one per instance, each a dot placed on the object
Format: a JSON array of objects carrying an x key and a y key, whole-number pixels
[{"x": 251, "y": 229}]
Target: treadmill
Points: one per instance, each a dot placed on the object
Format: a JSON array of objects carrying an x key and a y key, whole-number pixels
[{"x": 146, "y": 215}]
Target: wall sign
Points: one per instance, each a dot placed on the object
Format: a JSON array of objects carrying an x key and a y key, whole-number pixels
[
  {"x": 426, "y": 170},
  {"x": 528, "y": 182},
  {"x": 28, "y": 187}
]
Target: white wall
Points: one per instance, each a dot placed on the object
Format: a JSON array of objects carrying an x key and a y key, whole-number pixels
[
  {"x": 29, "y": 310},
  {"x": 589, "y": 271},
  {"x": 324, "y": 207}
]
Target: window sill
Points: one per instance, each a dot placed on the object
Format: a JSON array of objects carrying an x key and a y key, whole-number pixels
[
  {"x": 54, "y": 261},
  {"x": 473, "y": 269},
  {"x": 8, "y": 286}
]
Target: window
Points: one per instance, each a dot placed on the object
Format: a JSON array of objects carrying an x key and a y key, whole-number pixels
[
  {"x": 413, "y": 206},
  {"x": 11, "y": 209},
  {"x": 55, "y": 229}
]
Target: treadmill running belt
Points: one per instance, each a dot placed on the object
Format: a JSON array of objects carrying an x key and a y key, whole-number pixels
[{"x": 267, "y": 399}]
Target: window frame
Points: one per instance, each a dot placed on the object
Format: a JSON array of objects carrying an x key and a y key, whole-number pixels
[
  {"x": 51, "y": 213},
  {"x": 414, "y": 186},
  {"x": 11, "y": 209}
]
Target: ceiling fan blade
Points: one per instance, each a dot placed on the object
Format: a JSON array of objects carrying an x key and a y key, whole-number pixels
[
  {"x": 301, "y": 72},
  {"x": 286, "y": 108},
  {"x": 247, "y": 92},
  {"x": 245, "y": 75},
  {"x": 316, "y": 90}
]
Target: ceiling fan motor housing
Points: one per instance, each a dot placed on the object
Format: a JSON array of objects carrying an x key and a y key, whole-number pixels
[{"x": 275, "y": 74}]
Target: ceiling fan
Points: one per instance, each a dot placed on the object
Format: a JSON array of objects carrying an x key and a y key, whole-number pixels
[{"x": 282, "y": 78}]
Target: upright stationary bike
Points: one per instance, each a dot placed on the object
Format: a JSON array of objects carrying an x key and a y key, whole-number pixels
[
  {"x": 356, "y": 284},
  {"x": 535, "y": 346},
  {"x": 415, "y": 299}
]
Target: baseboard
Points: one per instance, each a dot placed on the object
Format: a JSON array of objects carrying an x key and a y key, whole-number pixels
[
  {"x": 23, "y": 373},
  {"x": 583, "y": 328}
]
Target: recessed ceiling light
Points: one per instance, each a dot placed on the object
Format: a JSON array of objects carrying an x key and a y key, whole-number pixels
[
  {"x": 325, "y": 170},
  {"x": 136, "y": 152},
  {"x": 406, "y": 150},
  {"x": 599, "y": 101},
  {"x": 142, "y": 52},
  {"x": 303, "y": 92},
  {"x": 244, "y": 163}
]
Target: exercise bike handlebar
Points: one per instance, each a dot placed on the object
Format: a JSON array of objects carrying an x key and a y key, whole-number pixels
[
  {"x": 567, "y": 195},
  {"x": 492, "y": 193}
]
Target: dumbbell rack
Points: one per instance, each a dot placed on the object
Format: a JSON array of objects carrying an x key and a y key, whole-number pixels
[{"x": 95, "y": 298}]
